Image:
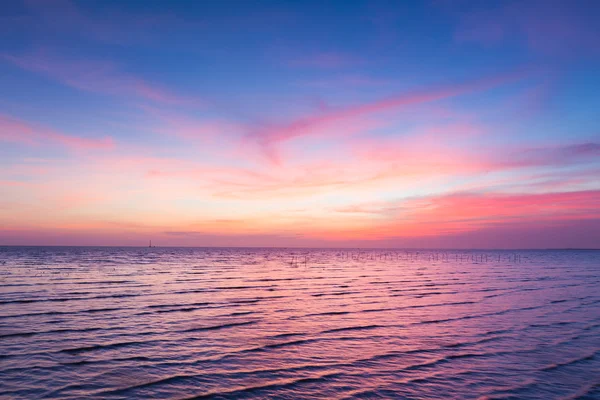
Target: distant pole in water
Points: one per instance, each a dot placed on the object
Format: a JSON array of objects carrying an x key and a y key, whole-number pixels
[{"x": 150, "y": 245}]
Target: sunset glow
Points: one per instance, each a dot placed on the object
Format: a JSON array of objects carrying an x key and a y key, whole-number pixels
[{"x": 271, "y": 124}]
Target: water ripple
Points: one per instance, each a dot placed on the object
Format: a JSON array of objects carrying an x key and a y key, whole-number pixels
[{"x": 182, "y": 323}]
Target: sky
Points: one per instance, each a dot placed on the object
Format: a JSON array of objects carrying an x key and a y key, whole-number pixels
[{"x": 453, "y": 124}]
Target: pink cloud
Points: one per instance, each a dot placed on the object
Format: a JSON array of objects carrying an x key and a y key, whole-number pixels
[
  {"x": 250, "y": 183},
  {"x": 438, "y": 150},
  {"x": 366, "y": 164},
  {"x": 97, "y": 77},
  {"x": 583, "y": 233},
  {"x": 192, "y": 129},
  {"x": 16, "y": 131},
  {"x": 480, "y": 206},
  {"x": 553, "y": 156},
  {"x": 424, "y": 218},
  {"x": 363, "y": 164},
  {"x": 270, "y": 135},
  {"x": 12, "y": 183},
  {"x": 201, "y": 174},
  {"x": 469, "y": 211}
]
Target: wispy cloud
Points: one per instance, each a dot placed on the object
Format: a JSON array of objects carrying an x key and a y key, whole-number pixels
[
  {"x": 468, "y": 211},
  {"x": 97, "y": 77},
  {"x": 567, "y": 154},
  {"x": 17, "y": 131},
  {"x": 269, "y": 135}
]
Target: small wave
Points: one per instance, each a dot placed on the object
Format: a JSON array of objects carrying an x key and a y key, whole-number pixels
[
  {"x": 286, "y": 344},
  {"x": 333, "y": 294},
  {"x": 65, "y": 299},
  {"x": 444, "y": 360},
  {"x": 286, "y": 335},
  {"x": 124, "y": 390},
  {"x": 571, "y": 362},
  {"x": 238, "y": 313},
  {"x": 215, "y": 327},
  {"x": 480, "y": 341},
  {"x": 112, "y": 360},
  {"x": 83, "y": 349},
  {"x": 437, "y": 321},
  {"x": 179, "y": 305},
  {"x": 371, "y": 310},
  {"x": 184, "y": 309},
  {"x": 590, "y": 392},
  {"x": 497, "y": 332},
  {"x": 590, "y": 327},
  {"x": 328, "y": 313},
  {"x": 54, "y": 331},
  {"x": 238, "y": 287},
  {"x": 354, "y": 328},
  {"x": 289, "y": 383},
  {"x": 103, "y": 282},
  {"x": 245, "y": 301}
]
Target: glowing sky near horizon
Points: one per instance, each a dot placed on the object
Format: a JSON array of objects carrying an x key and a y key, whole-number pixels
[{"x": 298, "y": 123}]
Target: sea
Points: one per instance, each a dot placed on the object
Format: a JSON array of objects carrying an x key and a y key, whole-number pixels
[{"x": 268, "y": 323}]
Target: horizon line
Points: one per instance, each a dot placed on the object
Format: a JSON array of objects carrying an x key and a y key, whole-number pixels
[{"x": 318, "y": 248}]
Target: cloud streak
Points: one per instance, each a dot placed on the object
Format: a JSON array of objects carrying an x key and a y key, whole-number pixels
[
  {"x": 99, "y": 77},
  {"x": 269, "y": 135},
  {"x": 456, "y": 213},
  {"x": 21, "y": 132}
]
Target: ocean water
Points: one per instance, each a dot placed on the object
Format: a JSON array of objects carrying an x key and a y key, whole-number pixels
[{"x": 182, "y": 323}]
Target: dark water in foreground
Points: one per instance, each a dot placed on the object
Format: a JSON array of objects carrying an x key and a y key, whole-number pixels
[{"x": 172, "y": 323}]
